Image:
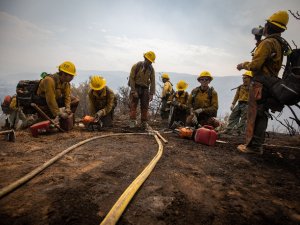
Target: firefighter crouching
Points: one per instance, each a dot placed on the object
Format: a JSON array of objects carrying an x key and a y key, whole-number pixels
[
  {"x": 178, "y": 102},
  {"x": 101, "y": 101},
  {"x": 203, "y": 102},
  {"x": 238, "y": 117},
  {"x": 166, "y": 92},
  {"x": 55, "y": 92},
  {"x": 142, "y": 84}
]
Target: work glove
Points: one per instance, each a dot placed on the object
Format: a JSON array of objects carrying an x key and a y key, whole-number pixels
[
  {"x": 176, "y": 104},
  {"x": 99, "y": 114},
  {"x": 68, "y": 111},
  {"x": 195, "y": 120},
  {"x": 134, "y": 94},
  {"x": 239, "y": 66},
  {"x": 150, "y": 98},
  {"x": 198, "y": 111},
  {"x": 231, "y": 107},
  {"x": 56, "y": 120},
  {"x": 63, "y": 115}
]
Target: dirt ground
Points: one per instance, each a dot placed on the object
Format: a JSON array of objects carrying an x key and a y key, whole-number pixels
[{"x": 191, "y": 183}]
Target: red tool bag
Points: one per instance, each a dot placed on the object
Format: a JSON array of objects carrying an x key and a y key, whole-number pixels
[
  {"x": 206, "y": 135},
  {"x": 39, "y": 128}
]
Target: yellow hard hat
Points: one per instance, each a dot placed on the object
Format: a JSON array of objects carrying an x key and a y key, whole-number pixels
[
  {"x": 97, "y": 83},
  {"x": 150, "y": 56},
  {"x": 181, "y": 85},
  {"x": 205, "y": 74},
  {"x": 280, "y": 19},
  {"x": 248, "y": 73},
  {"x": 67, "y": 67},
  {"x": 165, "y": 76}
]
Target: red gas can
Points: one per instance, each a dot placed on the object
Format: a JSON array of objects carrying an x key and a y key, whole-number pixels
[
  {"x": 39, "y": 128},
  {"x": 206, "y": 135}
]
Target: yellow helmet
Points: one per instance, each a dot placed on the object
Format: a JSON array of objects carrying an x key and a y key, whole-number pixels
[
  {"x": 280, "y": 19},
  {"x": 181, "y": 85},
  {"x": 248, "y": 73},
  {"x": 165, "y": 76},
  {"x": 205, "y": 74},
  {"x": 67, "y": 67},
  {"x": 97, "y": 83},
  {"x": 150, "y": 56}
]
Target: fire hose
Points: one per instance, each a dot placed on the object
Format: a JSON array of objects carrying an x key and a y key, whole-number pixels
[{"x": 116, "y": 211}]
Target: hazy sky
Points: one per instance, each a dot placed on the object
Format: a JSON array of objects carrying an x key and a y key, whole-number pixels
[{"x": 188, "y": 36}]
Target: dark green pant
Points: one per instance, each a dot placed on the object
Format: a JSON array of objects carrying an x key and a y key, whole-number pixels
[{"x": 238, "y": 117}]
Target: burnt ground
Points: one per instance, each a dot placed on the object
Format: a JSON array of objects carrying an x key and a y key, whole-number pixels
[{"x": 191, "y": 183}]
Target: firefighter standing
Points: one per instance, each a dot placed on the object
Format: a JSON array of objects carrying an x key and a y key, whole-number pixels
[
  {"x": 142, "y": 84},
  {"x": 166, "y": 92},
  {"x": 178, "y": 103},
  {"x": 203, "y": 102},
  {"x": 101, "y": 101},
  {"x": 266, "y": 61},
  {"x": 55, "y": 92},
  {"x": 238, "y": 116}
]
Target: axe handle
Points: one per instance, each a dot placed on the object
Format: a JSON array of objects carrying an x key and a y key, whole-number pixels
[{"x": 46, "y": 116}]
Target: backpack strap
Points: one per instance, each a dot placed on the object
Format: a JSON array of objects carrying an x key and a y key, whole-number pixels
[{"x": 210, "y": 91}]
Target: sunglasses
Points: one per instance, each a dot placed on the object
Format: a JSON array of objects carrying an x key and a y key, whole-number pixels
[{"x": 204, "y": 79}]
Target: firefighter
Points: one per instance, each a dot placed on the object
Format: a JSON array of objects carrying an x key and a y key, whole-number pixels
[
  {"x": 266, "y": 62},
  {"x": 101, "y": 101},
  {"x": 142, "y": 84},
  {"x": 203, "y": 102},
  {"x": 238, "y": 116},
  {"x": 178, "y": 104},
  {"x": 166, "y": 93},
  {"x": 55, "y": 92}
]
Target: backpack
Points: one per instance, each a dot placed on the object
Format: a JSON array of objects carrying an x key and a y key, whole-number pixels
[
  {"x": 286, "y": 90},
  {"x": 137, "y": 68},
  {"x": 210, "y": 91},
  {"x": 27, "y": 94},
  {"x": 5, "y": 105}
]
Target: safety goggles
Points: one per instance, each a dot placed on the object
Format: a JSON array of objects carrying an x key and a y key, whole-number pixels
[{"x": 204, "y": 79}]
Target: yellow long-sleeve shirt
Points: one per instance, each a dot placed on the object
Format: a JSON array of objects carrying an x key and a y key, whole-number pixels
[
  {"x": 103, "y": 101},
  {"x": 167, "y": 89},
  {"x": 241, "y": 94},
  {"x": 182, "y": 99},
  {"x": 51, "y": 88},
  {"x": 267, "y": 58},
  {"x": 140, "y": 76},
  {"x": 200, "y": 99}
]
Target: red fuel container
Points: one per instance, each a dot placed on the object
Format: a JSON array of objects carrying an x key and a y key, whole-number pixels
[
  {"x": 206, "y": 135},
  {"x": 39, "y": 128}
]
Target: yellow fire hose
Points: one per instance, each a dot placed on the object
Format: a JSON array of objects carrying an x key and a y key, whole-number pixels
[{"x": 116, "y": 211}]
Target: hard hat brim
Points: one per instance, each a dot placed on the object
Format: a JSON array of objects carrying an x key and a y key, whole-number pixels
[
  {"x": 149, "y": 58},
  {"x": 277, "y": 24},
  {"x": 73, "y": 74},
  {"x": 98, "y": 88}
]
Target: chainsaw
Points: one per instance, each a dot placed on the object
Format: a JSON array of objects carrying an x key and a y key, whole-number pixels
[
  {"x": 91, "y": 123},
  {"x": 185, "y": 132}
]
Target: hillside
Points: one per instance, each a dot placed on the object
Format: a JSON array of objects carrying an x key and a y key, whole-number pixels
[{"x": 191, "y": 183}]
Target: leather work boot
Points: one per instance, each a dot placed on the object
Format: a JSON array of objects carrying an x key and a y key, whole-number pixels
[
  {"x": 132, "y": 124},
  {"x": 250, "y": 150}
]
